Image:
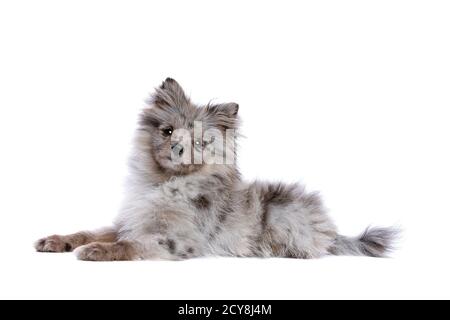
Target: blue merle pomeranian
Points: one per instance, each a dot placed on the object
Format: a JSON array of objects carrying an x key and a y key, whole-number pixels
[{"x": 185, "y": 198}]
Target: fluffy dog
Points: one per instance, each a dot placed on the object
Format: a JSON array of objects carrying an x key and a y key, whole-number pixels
[{"x": 185, "y": 198}]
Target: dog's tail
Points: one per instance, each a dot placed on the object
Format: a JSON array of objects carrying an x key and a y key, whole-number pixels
[{"x": 373, "y": 242}]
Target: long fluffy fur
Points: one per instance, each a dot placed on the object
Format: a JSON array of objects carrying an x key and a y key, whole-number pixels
[
  {"x": 178, "y": 212},
  {"x": 373, "y": 242}
]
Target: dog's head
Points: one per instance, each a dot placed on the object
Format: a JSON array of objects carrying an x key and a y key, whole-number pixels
[{"x": 184, "y": 137}]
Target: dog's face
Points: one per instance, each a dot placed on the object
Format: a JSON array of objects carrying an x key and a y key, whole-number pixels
[{"x": 184, "y": 137}]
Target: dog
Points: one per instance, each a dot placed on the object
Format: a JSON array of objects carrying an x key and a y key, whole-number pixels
[{"x": 185, "y": 198}]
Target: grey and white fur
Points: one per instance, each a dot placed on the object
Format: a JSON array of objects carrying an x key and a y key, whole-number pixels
[{"x": 178, "y": 211}]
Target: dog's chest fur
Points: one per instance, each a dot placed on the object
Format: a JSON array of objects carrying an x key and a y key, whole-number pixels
[{"x": 211, "y": 211}]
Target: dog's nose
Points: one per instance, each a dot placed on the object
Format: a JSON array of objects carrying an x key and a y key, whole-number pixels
[{"x": 177, "y": 149}]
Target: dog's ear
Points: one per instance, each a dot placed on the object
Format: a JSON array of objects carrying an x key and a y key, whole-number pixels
[
  {"x": 223, "y": 115},
  {"x": 225, "y": 109},
  {"x": 170, "y": 94}
]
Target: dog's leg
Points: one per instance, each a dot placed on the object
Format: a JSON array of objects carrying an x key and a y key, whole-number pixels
[
  {"x": 58, "y": 243},
  {"x": 103, "y": 251},
  {"x": 151, "y": 246}
]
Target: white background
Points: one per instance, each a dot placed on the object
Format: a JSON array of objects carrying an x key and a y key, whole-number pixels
[{"x": 350, "y": 97}]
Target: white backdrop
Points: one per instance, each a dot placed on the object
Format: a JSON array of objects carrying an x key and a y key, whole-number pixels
[{"x": 350, "y": 97}]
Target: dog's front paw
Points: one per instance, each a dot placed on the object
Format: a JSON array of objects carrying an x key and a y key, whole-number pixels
[
  {"x": 94, "y": 252},
  {"x": 53, "y": 243}
]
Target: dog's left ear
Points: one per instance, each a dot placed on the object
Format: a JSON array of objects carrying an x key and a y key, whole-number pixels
[
  {"x": 230, "y": 109},
  {"x": 170, "y": 94},
  {"x": 223, "y": 115},
  {"x": 227, "y": 109}
]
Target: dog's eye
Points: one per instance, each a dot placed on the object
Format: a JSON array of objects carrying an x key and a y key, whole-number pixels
[
  {"x": 200, "y": 143},
  {"x": 204, "y": 143},
  {"x": 167, "y": 131}
]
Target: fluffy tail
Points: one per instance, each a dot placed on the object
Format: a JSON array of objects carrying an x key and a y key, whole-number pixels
[{"x": 373, "y": 242}]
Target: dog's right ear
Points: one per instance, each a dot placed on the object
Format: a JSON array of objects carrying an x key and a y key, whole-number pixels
[{"x": 170, "y": 94}]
